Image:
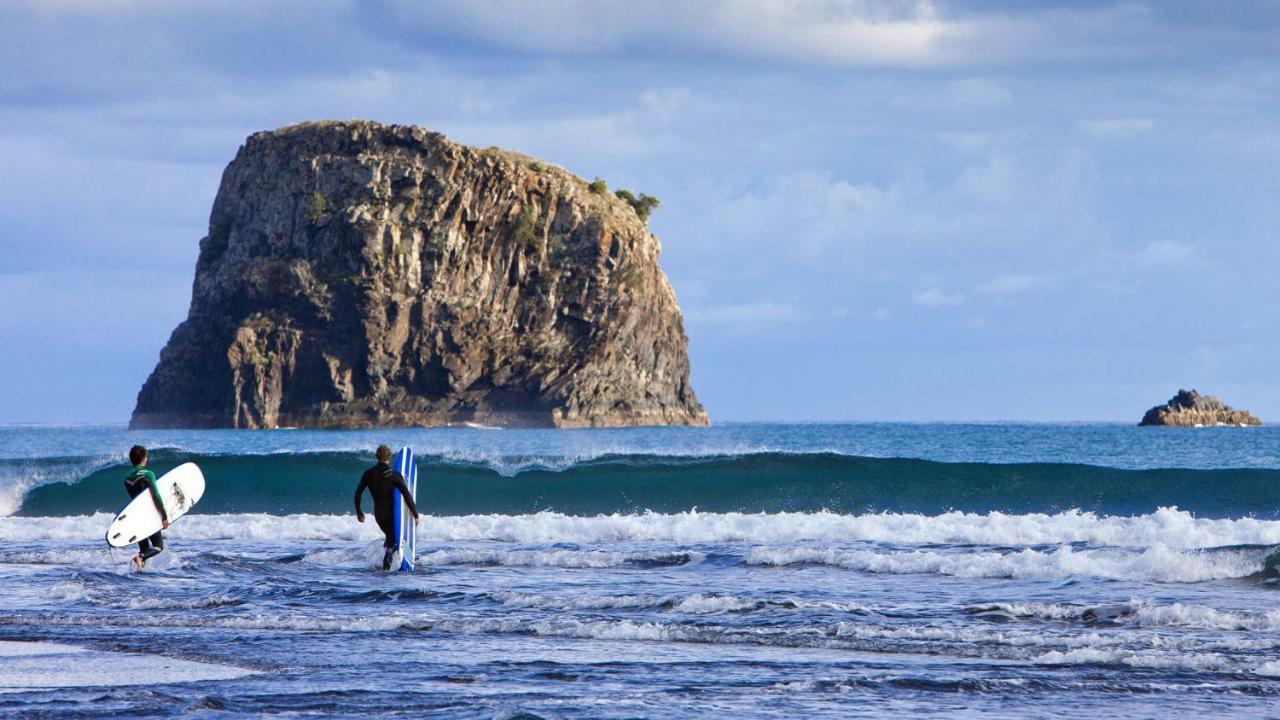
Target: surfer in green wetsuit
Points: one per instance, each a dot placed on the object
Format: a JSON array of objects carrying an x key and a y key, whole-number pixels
[
  {"x": 382, "y": 483},
  {"x": 138, "y": 481}
]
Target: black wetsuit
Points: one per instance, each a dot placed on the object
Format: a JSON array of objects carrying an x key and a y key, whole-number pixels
[
  {"x": 138, "y": 481},
  {"x": 382, "y": 482}
]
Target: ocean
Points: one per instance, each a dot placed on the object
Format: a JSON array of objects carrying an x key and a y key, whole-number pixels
[{"x": 745, "y": 570}]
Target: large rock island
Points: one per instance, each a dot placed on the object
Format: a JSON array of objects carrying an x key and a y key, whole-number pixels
[
  {"x": 1191, "y": 409},
  {"x": 357, "y": 275}
]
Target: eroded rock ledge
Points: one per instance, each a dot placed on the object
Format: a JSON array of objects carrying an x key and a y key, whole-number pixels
[
  {"x": 1191, "y": 409},
  {"x": 357, "y": 274}
]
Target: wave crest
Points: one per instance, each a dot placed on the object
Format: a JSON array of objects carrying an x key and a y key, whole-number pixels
[{"x": 591, "y": 484}]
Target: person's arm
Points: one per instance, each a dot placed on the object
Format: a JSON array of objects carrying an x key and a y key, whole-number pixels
[
  {"x": 398, "y": 479},
  {"x": 360, "y": 491},
  {"x": 155, "y": 495}
]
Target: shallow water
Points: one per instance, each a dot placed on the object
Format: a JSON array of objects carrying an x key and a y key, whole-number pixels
[{"x": 1025, "y": 570}]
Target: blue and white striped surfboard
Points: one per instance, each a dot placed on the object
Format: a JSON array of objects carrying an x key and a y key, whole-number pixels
[{"x": 406, "y": 529}]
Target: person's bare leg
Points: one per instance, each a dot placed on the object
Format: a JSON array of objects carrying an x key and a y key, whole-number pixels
[{"x": 138, "y": 562}]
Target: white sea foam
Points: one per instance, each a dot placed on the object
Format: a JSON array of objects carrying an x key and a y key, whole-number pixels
[
  {"x": 49, "y": 665},
  {"x": 1138, "y": 613},
  {"x": 101, "y": 557},
  {"x": 244, "y": 621},
  {"x": 1153, "y": 659},
  {"x": 579, "y": 602},
  {"x": 1158, "y": 563},
  {"x": 1168, "y": 528},
  {"x": 694, "y": 604},
  {"x": 72, "y": 591},
  {"x": 1124, "y": 647},
  {"x": 554, "y": 558},
  {"x": 706, "y": 603},
  {"x": 237, "y": 526},
  {"x": 1270, "y": 669}
]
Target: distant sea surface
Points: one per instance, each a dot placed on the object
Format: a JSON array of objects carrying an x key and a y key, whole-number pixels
[{"x": 752, "y": 570}]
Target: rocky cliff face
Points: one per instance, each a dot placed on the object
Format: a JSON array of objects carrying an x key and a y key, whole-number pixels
[
  {"x": 358, "y": 274},
  {"x": 1191, "y": 409}
]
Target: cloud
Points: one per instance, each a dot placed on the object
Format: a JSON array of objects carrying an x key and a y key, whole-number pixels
[
  {"x": 744, "y": 313},
  {"x": 1115, "y": 128},
  {"x": 966, "y": 95},
  {"x": 845, "y": 32},
  {"x": 1007, "y": 285},
  {"x": 1166, "y": 252},
  {"x": 839, "y": 33},
  {"x": 978, "y": 94},
  {"x": 803, "y": 216},
  {"x": 809, "y": 155},
  {"x": 937, "y": 298}
]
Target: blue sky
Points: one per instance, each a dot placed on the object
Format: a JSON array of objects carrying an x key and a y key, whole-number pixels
[{"x": 871, "y": 210}]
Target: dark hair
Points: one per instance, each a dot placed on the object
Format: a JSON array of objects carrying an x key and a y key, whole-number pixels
[
  {"x": 137, "y": 454},
  {"x": 384, "y": 453}
]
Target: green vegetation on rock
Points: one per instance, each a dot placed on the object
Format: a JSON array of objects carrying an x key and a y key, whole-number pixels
[
  {"x": 316, "y": 207},
  {"x": 643, "y": 205},
  {"x": 527, "y": 231}
]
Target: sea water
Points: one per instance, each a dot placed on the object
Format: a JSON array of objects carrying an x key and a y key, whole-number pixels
[{"x": 743, "y": 570}]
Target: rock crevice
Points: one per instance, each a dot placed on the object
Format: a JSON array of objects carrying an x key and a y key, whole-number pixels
[{"x": 357, "y": 274}]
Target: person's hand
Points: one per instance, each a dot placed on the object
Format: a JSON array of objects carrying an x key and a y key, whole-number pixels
[
  {"x": 360, "y": 517},
  {"x": 416, "y": 518},
  {"x": 164, "y": 524}
]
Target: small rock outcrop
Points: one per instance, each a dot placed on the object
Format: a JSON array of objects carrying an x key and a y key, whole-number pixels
[
  {"x": 358, "y": 275},
  {"x": 1191, "y": 409}
]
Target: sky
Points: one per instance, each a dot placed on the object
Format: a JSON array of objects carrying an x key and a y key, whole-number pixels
[{"x": 871, "y": 210}]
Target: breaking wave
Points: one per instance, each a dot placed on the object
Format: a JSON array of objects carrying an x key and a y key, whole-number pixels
[
  {"x": 754, "y": 482},
  {"x": 1154, "y": 564},
  {"x": 1168, "y": 545},
  {"x": 1166, "y": 527}
]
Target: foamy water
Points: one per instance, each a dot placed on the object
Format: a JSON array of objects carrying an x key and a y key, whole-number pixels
[{"x": 912, "y": 589}]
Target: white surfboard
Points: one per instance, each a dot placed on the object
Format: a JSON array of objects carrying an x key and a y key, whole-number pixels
[
  {"x": 406, "y": 529},
  {"x": 180, "y": 488}
]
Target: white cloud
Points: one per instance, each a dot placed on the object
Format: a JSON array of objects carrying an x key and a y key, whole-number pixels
[
  {"x": 1010, "y": 284},
  {"x": 810, "y": 212},
  {"x": 1166, "y": 252},
  {"x": 744, "y": 313},
  {"x": 1115, "y": 128},
  {"x": 1017, "y": 206},
  {"x": 936, "y": 298},
  {"x": 966, "y": 95},
  {"x": 978, "y": 94},
  {"x": 845, "y": 32},
  {"x": 912, "y": 33},
  {"x": 1007, "y": 284}
]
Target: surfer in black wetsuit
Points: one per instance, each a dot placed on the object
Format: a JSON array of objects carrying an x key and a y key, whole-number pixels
[
  {"x": 382, "y": 482},
  {"x": 138, "y": 481}
]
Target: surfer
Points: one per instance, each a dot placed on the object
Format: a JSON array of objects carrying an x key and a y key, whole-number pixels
[
  {"x": 138, "y": 481},
  {"x": 382, "y": 482}
]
